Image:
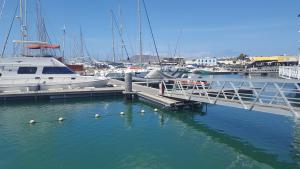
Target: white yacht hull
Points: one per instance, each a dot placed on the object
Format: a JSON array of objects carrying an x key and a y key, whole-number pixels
[
  {"x": 92, "y": 84},
  {"x": 25, "y": 74},
  {"x": 18, "y": 88}
]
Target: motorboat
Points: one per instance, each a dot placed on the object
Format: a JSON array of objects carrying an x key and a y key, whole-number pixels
[
  {"x": 42, "y": 73},
  {"x": 211, "y": 71},
  {"x": 119, "y": 73}
]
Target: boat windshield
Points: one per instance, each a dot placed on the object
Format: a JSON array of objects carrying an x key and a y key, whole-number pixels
[
  {"x": 27, "y": 70},
  {"x": 57, "y": 70}
]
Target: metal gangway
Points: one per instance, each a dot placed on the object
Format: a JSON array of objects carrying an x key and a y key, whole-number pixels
[{"x": 278, "y": 96}]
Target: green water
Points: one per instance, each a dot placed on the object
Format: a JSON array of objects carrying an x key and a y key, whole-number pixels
[{"x": 220, "y": 138}]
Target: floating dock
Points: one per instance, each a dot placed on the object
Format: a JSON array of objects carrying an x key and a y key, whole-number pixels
[
  {"x": 143, "y": 93},
  {"x": 61, "y": 94},
  {"x": 151, "y": 95}
]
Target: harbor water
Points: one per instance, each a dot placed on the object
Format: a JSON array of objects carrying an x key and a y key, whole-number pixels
[{"x": 213, "y": 138}]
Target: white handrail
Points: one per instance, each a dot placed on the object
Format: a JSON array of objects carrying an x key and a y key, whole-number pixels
[
  {"x": 289, "y": 72},
  {"x": 249, "y": 94}
]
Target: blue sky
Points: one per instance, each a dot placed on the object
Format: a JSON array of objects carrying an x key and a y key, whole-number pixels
[{"x": 203, "y": 27}]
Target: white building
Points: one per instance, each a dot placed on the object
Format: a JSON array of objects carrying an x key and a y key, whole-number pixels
[{"x": 207, "y": 61}]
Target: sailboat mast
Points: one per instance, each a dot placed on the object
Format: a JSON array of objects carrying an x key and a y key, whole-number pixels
[
  {"x": 140, "y": 30},
  {"x": 64, "y": 41},
  {"x": 40, "y": 26},
  {"x": 25, "y": 17},
  {"x": 21, "y": 19},
  {"x": 121, "y": 30},
  {"x": 2, "y": 9},
  {"x": 81, "y": 44},
  {"x": 23, "y": 26},
  {"x": 113, "y": 36}
]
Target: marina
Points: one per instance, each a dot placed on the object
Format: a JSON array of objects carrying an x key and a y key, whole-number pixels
[{"x": 127, "y": 85}]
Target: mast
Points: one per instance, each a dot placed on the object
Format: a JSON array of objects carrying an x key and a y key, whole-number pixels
[
  {"x": 23, "y": 23},
  {"x": 177, "y": 48},
  {"x": 81, "y": 44},
  {"x": 63, "y": 41},
  {"x": 25, "y": 18},
  {"x": 140, "y": 30},
  {"x": 2, "y": 9},
  {"x": 40, "y": 26},
  {"x": 113, "y": 36},
  {"x": 299, "y": 48},
  {"x": 121, "y": 30},
  {"x": 21, "y": 20}
]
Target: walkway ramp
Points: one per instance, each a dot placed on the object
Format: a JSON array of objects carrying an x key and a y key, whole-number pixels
[{"x": 276, "y": 96}]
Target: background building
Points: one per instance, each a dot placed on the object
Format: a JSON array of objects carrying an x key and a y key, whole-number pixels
[{"x": 207, "y": 61}]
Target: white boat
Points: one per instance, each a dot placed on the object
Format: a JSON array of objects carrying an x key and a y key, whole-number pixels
[
  {"x": 211, "y": 71},
  {"x": 42, "y": 73},
  {"x": 119, "y": 73}
]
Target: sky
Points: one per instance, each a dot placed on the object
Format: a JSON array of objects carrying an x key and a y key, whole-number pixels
[{"x": 187, "y": 28}]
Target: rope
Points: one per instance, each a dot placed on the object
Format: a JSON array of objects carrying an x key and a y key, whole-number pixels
[
  {"x": 148, "y": 19},
  {"x": 120, "y": 34},
  {"x": 11, "y": 25}
]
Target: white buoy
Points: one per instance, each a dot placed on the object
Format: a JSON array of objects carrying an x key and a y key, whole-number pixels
[
  {"x": 61, "y": 119},
  {"x": 122, "y": 113},
  {"x": 155, "y": 110},
  {"x": 97, "y": 116},
  {"x": 142, "y": 111},
  {"x": 32, "y": 122}
]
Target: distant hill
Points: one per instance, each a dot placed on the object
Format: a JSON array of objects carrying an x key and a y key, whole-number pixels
[{"x": 144, "y": 59}]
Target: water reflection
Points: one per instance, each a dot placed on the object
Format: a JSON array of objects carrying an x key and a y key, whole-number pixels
[
  {"x": 296, "y": 143},
  {"x": 240, "y": 144},
  {"x": 128, "y": 113}
]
